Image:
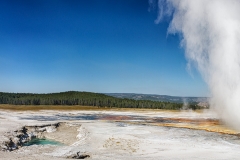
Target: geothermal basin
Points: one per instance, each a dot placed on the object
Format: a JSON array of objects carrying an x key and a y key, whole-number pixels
[{"x": 120, "y": 134}]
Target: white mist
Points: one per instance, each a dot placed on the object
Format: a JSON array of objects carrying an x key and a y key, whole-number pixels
[{"x": 210, "y": 31}]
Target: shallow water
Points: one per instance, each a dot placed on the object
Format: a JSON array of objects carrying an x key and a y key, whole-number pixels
[{"x": 38, "y": 141}]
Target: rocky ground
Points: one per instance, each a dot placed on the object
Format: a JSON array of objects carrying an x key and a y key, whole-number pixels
[{"x": 115, "y": 135}]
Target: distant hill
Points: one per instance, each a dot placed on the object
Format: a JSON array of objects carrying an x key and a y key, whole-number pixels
[
  {"x": 163, "y": 98},
  {"x": 84, "y": 99},
  {"x": 93, "y": 99}
]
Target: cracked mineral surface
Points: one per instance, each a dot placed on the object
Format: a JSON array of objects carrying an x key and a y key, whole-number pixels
[{"x": 117, "y": 134}]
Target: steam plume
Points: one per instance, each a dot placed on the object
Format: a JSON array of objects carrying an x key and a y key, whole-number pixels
[{"x": 210, "y": 31}]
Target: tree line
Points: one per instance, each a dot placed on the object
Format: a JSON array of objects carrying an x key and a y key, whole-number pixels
[{"x": 86, "y": 99}]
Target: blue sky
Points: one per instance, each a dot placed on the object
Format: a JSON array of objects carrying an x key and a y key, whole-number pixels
[{"x": 91, "y": 45}]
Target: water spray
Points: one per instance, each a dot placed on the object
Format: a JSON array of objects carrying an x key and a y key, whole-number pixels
[{"x": 210, "y": 31}]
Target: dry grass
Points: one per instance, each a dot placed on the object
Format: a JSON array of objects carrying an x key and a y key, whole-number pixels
[
  {"x": 64, "y": 107},
  {"x": 78, "y": 107}
]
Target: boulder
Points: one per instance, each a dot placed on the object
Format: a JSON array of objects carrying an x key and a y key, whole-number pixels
[{"x": 78, "y": 156}]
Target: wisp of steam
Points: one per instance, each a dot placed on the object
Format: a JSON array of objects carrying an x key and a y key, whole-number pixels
[{"x": 210, "y": 32}]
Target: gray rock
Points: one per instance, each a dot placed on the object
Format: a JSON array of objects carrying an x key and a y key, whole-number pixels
[{"x": 78, "y": 156}]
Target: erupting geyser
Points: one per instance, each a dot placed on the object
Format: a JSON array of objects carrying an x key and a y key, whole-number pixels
[{"x": 210, "y": 31}]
